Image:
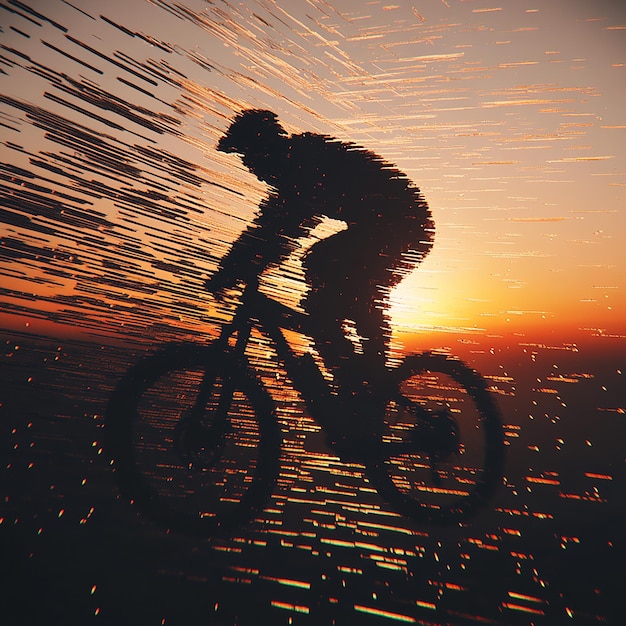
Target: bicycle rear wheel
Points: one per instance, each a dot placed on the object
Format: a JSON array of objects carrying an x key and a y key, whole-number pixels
[
  {"x": 201, "y": 474},
  {"x": 441, "y": 452}
]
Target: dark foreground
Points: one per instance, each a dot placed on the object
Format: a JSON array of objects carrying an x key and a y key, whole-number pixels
[{"x": 326, "y": 550}]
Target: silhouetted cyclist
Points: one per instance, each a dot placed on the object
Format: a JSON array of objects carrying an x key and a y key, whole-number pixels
[{"x": 389, "y": 231}]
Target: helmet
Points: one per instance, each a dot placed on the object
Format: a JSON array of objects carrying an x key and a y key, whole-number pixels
[{"x": 252, "y": 131}]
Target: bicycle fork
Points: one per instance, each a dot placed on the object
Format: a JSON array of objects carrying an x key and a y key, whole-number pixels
[{"x": 199, "y": 440}]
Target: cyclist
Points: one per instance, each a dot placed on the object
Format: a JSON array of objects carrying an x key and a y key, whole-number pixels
[{"x": 349, "y": 274}]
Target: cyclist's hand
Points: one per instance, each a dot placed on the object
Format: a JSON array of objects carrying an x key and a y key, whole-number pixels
[
  {"x": 218, "y": 283},
  {"x": 223, "y": 288}
]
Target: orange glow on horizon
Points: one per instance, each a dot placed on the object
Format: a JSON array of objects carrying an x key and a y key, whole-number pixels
[{"x": 119, "y": 207}]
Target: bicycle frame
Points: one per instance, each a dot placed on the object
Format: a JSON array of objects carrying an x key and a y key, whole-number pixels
[{"x": 272, "y": 317}]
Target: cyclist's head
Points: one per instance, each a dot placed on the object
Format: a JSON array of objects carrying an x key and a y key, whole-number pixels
[{"x": 260, "y": 139}]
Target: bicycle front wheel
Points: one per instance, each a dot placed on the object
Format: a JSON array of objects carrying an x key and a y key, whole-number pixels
[
  {"x": 196, "y": 463},
  {"x": 441, "y": 452}
]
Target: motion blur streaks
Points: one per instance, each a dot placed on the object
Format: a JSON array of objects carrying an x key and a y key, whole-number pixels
[{"x": 116, "y": 205}]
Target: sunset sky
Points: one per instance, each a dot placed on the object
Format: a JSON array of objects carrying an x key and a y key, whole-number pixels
[{"x": 116, "y": 205}]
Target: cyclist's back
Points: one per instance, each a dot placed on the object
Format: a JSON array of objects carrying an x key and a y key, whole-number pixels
[{"x": 346, "y": 182}]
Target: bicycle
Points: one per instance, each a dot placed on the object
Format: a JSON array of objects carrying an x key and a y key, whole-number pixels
[{"x": 193, "y": 435}]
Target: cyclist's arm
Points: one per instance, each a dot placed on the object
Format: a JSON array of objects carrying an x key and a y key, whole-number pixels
[{"x": 270, "y": 239}]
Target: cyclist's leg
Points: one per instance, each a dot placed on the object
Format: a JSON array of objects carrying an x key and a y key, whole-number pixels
[
  {"x": 328, "y": 312},
  {"x": 331, "y": 273},
  {"x": 350, "y": 275},
  {"x": 400, "y": 250},
  {"x": 372, "y": 323}
]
